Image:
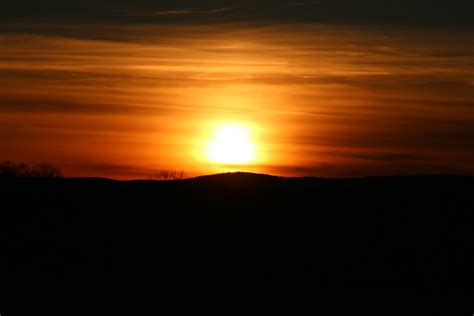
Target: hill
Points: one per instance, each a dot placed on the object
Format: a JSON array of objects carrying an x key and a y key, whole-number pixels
[{"x": 237, "y": 244}]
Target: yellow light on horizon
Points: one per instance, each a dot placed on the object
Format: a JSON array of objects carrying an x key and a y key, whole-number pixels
[{"x": 231, "y": 145}]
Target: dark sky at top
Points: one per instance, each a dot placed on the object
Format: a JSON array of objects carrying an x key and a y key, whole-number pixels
[{"x": 454, "y": 13}]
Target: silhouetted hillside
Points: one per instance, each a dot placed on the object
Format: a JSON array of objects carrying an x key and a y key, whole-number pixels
[{"x": 237, "y": 244}]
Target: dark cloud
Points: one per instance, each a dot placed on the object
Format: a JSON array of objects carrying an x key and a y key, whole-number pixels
[
  {"x": 114, "y": 170},
  {"x": 367, "y": 12},
  {"x": 384, "y": 157},
  {"x": 365, "y": 169},
  {"x": 38, "y": 104}
]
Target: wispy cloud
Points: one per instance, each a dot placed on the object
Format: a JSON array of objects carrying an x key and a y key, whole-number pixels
[
  {"x": 188, "y": 12},
  {"x": 117, "y": 171},
  {"x": 178, "y": 12}
]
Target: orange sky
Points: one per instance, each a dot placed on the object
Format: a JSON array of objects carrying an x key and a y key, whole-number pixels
[{"x": 319, "y": 100}]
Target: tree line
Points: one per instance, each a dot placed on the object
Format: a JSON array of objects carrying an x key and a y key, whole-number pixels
[
  {"x": 46, "y": 170},
  {"x": 27, "y": 170}
]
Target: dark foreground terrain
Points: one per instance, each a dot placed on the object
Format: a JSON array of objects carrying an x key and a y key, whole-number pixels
[{"x": 237, "y": 244}]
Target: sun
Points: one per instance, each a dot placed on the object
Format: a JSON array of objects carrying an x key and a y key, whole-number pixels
[{"x": 231, "y": 145}]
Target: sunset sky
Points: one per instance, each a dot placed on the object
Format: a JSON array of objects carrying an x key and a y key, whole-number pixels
[{"x": 331, "y": 88}]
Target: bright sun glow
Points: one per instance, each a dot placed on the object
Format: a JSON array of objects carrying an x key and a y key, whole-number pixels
[{"x": 231, "y": 145}]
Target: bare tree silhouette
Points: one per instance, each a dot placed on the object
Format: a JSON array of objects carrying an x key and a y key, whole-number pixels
[
  {"x": 168, "y": 175},
  {"x": 46, "y": 170},
  {"x": 25, "y": 170},
  {"x": 9, "y": 168}
]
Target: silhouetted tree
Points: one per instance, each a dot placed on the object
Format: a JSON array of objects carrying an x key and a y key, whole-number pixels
[
  {"x": 9, "y": 168},
  {"x": 169, "y": 175},
  {"x": 46, "y": 170},
  {"x": 25, "y": 170}
]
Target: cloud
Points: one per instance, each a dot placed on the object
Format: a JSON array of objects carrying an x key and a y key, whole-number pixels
[
  {"x": 116, "y": 171},
  {"x": 453, "y": 13},
  {"x": 37, "y": 103},
  {"x": 383, "y": 157},
  {"x": 178, "y": 12},
  {"x": 364, "y": 169}
]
